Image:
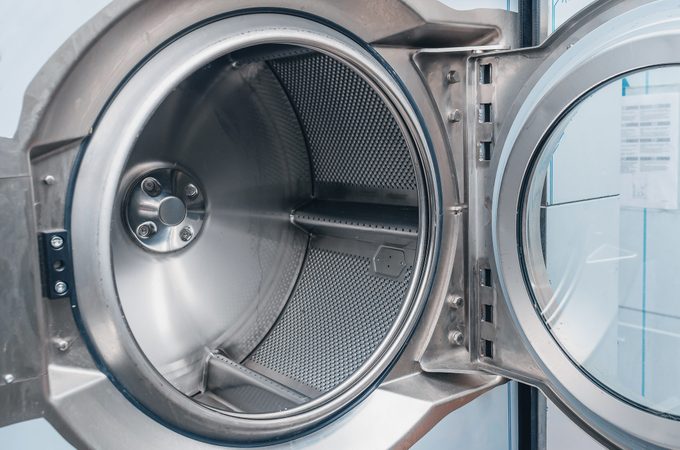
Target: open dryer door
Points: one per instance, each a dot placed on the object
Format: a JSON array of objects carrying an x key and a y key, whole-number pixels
[{"x": 574, "y": 196}]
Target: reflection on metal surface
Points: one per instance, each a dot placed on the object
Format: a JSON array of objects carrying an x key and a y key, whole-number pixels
[
  {"x": 258, "y": 305},
  {"x": 252, "y": 244}
]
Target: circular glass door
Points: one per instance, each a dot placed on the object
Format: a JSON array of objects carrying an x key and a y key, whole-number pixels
[{"x": 602, "y": 210}]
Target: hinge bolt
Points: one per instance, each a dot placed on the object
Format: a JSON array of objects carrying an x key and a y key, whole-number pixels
[
  {"x": 456, "y": 338},
  {"x": 455, "y": 116},
  {"x": 56, "y": 242},
  {"x": 62, "y": 345},
  {"x": 60, "y": 287},
  {"x": 452, "y": 77},
  {"x": 454, "y": 301}
]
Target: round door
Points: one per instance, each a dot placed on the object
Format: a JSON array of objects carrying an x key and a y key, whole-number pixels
[{"x": 585, "y": 217}]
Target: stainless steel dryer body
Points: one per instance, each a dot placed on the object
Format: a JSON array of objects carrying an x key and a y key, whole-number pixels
[{"x": 275, "y": 225}]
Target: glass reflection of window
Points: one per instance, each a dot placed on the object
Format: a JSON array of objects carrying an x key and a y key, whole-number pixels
[{"x": 603, "y": 209}]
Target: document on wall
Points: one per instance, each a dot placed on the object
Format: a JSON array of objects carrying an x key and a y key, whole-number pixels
[{"x": 649, "y": 150}]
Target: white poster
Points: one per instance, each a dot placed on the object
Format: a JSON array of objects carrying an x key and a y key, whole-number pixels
[{"x": 649, "y": 150}]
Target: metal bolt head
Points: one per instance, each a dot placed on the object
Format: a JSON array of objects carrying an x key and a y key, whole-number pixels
[
  {"x": 454, "y": 301},
  {"x": 60, "y": 287},
  {"x": 146, "y": 230},
  {"x": 151, "y": 186},
  {"x": 452, "y": 77},
  {"x": 186, "y": 234},
  {"x": 49, "y": 180},
  {"x": 191, "y": 191},
  {"x": 56, "y": 242},
  {"x": 8, "y": 377},
  {"x": 456, "y": 338},
  {"x": 455, "y": 116},
  {"x": 62, "y": 344}
]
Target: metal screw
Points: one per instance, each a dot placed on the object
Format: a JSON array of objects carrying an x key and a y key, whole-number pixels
[
  {"x": 186, "y": 234},
  {"x": 146, "y": 230},
  {"x": 60, "y": 287},
  {"x": 56, "y": 242},
  {"x": 151, "y": 186},
  {"x": 191, "y": 191},
  {"x": 455, "y": 116},
  {"x": 49, "y": 180},
  {"x": 9, "y": 378},
  {"x": 456, "y": 338},
  {"x": 452, "y": 77},
  {"x": 454, "y": 301},
  {"x": 62, "y": 345}
]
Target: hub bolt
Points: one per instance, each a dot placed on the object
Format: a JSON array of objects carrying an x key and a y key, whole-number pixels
[
  {"x": 60, "y": 287},
  {"x": 186, "y": 234},
  {"x": 56, "y": 242},
  {"x": 146, "y": 230},
  {"x": 151, "y": 186},
  {"x": 191, "y": 191}
]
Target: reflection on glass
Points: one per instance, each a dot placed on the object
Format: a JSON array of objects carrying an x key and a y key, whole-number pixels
[{"x": 603, "y": 236}]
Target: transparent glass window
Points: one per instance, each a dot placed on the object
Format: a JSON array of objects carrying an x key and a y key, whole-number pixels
[{"x": 602, "y": 236}]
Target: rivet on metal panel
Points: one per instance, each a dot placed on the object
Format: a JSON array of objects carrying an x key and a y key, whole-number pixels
[
  {"x": 62, "y": 344},
  {"x": 49, "y": 180}
]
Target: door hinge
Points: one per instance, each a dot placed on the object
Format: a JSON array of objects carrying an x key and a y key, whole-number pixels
[
  {"x": 56, "y": 264},
  {"x": 487, "y": 320}
]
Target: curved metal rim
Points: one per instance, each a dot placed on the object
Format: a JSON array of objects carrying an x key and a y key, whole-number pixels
[
  {"x": 211, "y": 425},
  {"x": 533, "y": 264},
  {"x": 640, "y": 38}
]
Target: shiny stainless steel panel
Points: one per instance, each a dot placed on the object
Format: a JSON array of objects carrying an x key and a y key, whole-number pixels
[
  {"x": 61, "y": 107},
  {"x": 235, "y": 132}
]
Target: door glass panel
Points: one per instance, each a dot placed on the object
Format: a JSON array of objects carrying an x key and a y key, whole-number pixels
[{"x": 602, "y": 236}]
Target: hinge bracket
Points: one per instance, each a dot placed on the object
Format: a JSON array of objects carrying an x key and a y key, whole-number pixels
[{"x": 56, "y": 264}]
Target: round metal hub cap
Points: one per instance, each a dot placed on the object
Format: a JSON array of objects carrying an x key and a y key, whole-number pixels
[
  {"x": 165, "y": 209},
  {"x": 172, "y": 211}
]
